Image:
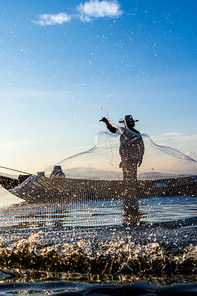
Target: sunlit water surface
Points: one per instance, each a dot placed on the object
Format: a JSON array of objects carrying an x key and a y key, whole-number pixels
[{"x": 96, "y": 240}]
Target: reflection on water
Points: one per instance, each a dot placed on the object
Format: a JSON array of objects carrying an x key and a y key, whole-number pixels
[
  {"x": 71, "y": 214},
  {"x": 172, "y": 208},
  {"x": 108, "y": 212},
  {"x": 78, "y": 288}
]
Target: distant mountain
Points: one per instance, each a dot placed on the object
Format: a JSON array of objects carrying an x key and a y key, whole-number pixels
[
  {"x": 92, "y": 173},
  {"x": 157, "y": 175},
  {"x": 99, "y": 174}
]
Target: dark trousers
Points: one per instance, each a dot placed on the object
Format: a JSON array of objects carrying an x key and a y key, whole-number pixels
[
  {"x": 130, "y": 173},
  {"x": 131, "y": 214}
]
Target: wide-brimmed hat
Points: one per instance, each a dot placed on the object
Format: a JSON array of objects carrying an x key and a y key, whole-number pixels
[{"x": 128, "y": 118}]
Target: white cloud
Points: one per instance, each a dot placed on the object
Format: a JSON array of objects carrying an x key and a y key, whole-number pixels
[
  {"x": 53, "y": 19},
  {"x": 85, "y": 12},
  {"x": 96, "y": 8},
  {"x": 168, "y": 136}
]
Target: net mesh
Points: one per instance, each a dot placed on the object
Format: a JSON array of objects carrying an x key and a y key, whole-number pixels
[
  {"x": 86, "y": 221},
  {"x": 102, "y": 161}
]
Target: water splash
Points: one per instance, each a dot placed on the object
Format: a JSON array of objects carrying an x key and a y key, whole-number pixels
[{"x": 99, "y": 260}]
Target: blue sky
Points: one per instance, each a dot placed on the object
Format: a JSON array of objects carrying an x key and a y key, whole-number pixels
[{"x": 64, "y": 64}]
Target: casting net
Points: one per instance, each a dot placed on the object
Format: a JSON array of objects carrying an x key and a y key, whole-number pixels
[
  {"x": 79, "y": 218},
  {"x": 102, "y": 161}
]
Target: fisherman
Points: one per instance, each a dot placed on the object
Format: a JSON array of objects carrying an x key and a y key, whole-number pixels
[{"x": 131, "y": 148}]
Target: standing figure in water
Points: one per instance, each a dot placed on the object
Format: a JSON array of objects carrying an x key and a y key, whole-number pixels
[
  {"x": 131, "y": 152},
  {"x": 131, "y": 148}
]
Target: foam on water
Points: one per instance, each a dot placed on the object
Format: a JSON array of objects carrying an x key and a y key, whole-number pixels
[{"x": 101, "y": 257}]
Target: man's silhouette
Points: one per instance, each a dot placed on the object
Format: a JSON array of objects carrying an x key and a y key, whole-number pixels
[{"x": 131, "y": 148}]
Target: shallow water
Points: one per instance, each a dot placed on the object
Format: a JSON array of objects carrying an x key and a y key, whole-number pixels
[
  {"x": 57, "y": 288},
  {"x": 97, "y": 212},
  {"x": 103, "y": 241}
]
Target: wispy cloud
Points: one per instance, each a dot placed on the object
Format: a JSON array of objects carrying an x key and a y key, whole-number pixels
[
  {"x": 85, "y": 12},
  {"x": 18, "y": 93},
  {"x": 176, "y": 136},
  {"x": 53, "y": 19},
  {"x": 111, "y": 95},
  {"x": 183, "y": 142},
  {"x": 14, "y": 144}
]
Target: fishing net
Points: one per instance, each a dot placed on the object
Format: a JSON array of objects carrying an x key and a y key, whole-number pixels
[
  {"x": 78, "y": 218},
  {"x": 102, "y": 161}
]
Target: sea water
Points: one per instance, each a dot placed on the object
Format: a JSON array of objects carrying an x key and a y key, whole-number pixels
[{"x": 65, "y": 248}]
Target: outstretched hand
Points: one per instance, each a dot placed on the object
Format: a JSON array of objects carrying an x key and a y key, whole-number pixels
[{"x": 104, "y": 119}]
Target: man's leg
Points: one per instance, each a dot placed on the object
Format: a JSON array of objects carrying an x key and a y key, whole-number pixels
[
  {"x": 130, "y": 203},
  {"x": 130, "y": 174}
]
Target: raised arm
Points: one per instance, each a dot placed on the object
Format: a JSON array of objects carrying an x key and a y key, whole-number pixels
[{"x": 110, "y": 127}]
